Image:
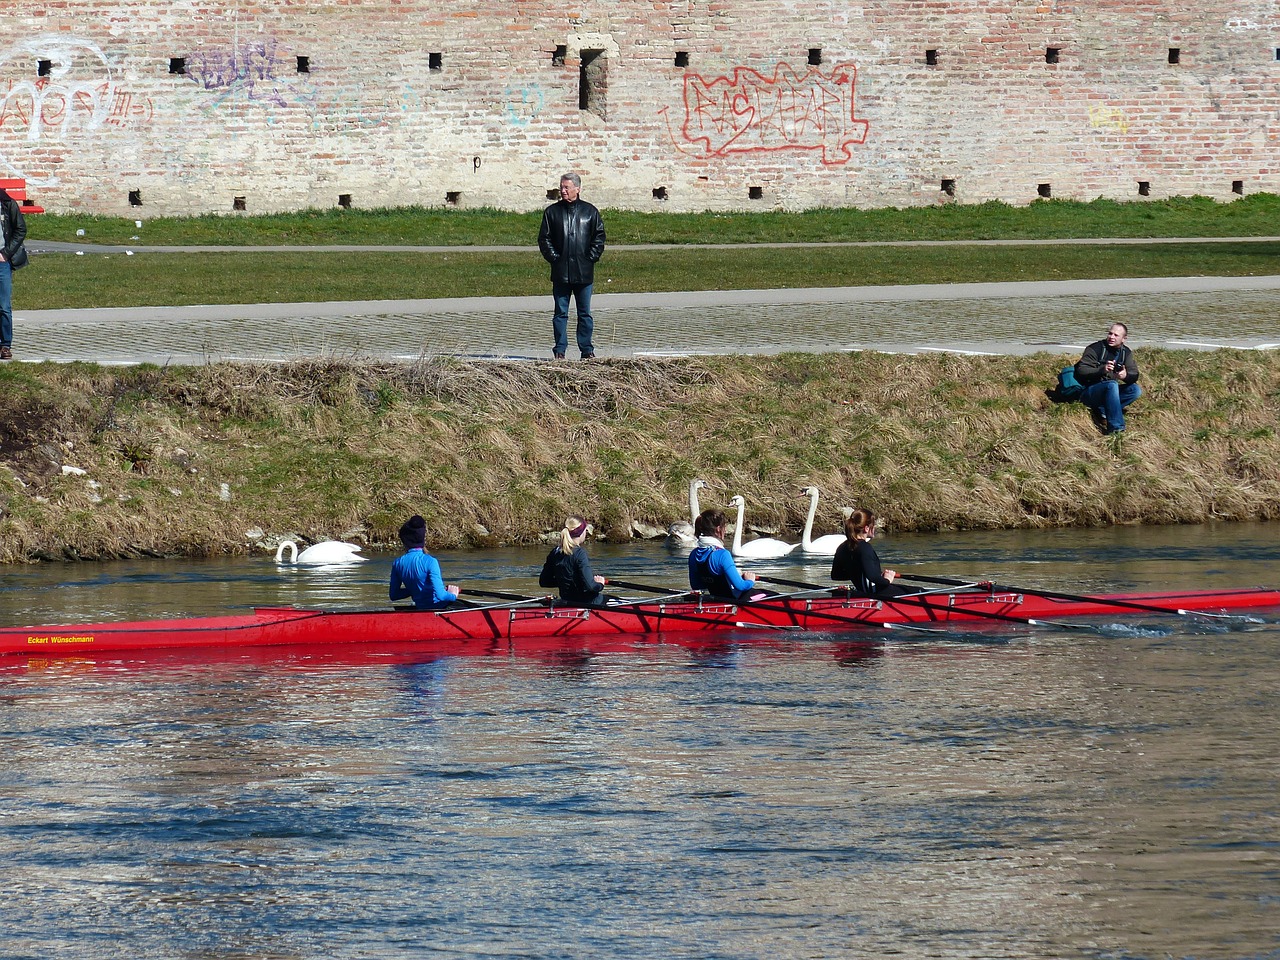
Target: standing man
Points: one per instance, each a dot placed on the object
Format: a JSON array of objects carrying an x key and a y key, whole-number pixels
[
  {"x": 13, "y": 230},
  {"x": 572, "y": 240},
  {"x": 1109, "y": 373}
]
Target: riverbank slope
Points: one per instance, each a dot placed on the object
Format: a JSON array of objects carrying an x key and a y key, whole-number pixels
[{"x": 228, "y": 458}]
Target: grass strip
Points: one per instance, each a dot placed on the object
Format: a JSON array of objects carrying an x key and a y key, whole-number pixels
[{"x": 68, "y": 281}]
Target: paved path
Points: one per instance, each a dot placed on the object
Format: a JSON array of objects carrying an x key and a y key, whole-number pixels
[{"x": 995, "y": 318}]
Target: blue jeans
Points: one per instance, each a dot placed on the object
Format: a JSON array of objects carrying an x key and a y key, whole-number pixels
[
  {"x": 560, "y": 320},
  {"x": 1111, "y": 397},
  {"x": 6, "y": 305}
]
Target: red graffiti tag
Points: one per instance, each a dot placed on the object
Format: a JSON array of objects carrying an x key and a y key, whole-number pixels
[{"x": 752, "y": 113}]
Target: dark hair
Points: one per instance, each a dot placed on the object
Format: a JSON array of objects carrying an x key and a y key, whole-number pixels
[
  {"x": 709, "y": 523},
  {"x": 1122, "y": 325},
  {"x": 858, "y": 521}
]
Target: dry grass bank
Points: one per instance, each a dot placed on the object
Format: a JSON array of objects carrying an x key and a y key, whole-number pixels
[{"x": 207, "y": 460}]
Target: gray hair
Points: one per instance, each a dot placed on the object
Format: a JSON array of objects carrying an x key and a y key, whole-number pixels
[{"x": 572, "y": 178}]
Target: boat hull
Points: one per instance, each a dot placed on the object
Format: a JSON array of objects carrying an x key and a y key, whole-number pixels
[{"x": 455, "y": 629}]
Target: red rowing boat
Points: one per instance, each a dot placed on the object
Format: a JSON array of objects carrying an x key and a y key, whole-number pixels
[{"x": 535, "y": 619}]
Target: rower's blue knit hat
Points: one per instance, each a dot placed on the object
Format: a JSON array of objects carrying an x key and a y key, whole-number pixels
[{"x": 414, "y": 532}]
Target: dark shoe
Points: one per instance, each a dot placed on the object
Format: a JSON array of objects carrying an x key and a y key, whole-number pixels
[
  {"x": 558, "y": 356},
  {"x": 588, "y": 356},
  {"x": 6, "y": 353},
  {"x": 1099, "y": 418}
]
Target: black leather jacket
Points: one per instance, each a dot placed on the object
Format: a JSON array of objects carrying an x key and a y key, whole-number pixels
[
  {"x": 1091, "y": 367},
  {"x": 571, "y": 239},
  {"x": 15, "y": 226}
]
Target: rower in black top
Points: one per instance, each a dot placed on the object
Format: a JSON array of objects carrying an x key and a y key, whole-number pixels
[
  {"x": 856, "y": 560},
  {"x": 569, "y": 568}
]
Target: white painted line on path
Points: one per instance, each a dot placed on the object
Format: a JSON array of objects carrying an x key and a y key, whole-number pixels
[
  {"x": 1197, "y": 343},
  {"x": 967, "y": 353}
]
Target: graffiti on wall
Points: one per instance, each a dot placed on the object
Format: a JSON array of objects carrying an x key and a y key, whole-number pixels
[
  {"x": 1102, "y": 117},
  {"x": 242, "y": 72},
  {"x": 521, "y": 104},
  {"x": 75, "y": 93},
  {"x": 789, "y": 110}
]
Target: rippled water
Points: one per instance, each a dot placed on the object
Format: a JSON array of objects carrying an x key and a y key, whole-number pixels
[{"x": 1007, "y": 792}]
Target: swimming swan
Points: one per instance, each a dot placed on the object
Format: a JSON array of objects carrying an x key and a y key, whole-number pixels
[
  {"x": 324, "y": 553},
  {"x": 762, "y": 548},
  {"x": 681, "y": 533},
  {"x": 824, "y": 546}
]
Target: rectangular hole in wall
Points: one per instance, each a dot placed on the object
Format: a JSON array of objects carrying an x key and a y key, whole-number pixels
[
  {"x": 815, "y": 56},
  {"x": 1051, "y": 54},
  {"x": 1278, "y": 53},
  {"x": 931, "y": 58},
  {"x": 1237, "y": 186},
  {"x": 344, "y": 201},
  {"x": 558, "y": 55},
  {"x": 682, "y": 58},
  {"x": 304, "y": 64},
  {"x": 1044, "y": 190},
  {"x": 659, "y": 193},
  {"x": 593, "y": 83},
  {"x": 435, "y": 61},
  {"x": 948, "y": 187},
  {"x": 135, "y": 198},
  {"x": 755, "y": 193},
  {"x": 44, "y": 68},
  {"x": 1144, "y": 188},
  {"x": 1175, "y": 55},
  {"x": 178, "y": 65},
  {"x": 553, "y": 194},
  {"x": 453, "y": 197},
  {"x": 238, "y": 203}
]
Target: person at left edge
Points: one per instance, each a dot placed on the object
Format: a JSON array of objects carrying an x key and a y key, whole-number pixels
[
  {"x": 13, "y": 226},
  {"x": 571, "y": 239},
  {"x": 568, "y": 568},
  {"x": 416, "y": 573}
]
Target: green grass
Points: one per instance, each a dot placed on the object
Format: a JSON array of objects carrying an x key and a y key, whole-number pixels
[
  {"x": 115, "y": 280},
  {"x": 1252, "y": 216}
]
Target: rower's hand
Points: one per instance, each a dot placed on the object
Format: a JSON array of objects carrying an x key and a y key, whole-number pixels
[
  {"x": 891, "y": 575},
  {"x": 454, "y": 589},
  {"x": 749, "y": 577},
  {"x": 600, "y": 580}
]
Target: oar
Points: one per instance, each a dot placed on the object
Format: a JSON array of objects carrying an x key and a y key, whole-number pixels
[
  {"x": 1074, "y": 597},
  {"x": 772, "y": 603},
  {"x": 512, "y": 597},
  {"x": 912, "y": 600}
]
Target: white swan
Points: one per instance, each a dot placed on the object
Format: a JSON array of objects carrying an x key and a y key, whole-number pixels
[
  {"x": 762, "y": 548},
  {"x": 681, "y": 533},
  {"x": 824, "y": 546},
  {"x": 324, "y": 553}
]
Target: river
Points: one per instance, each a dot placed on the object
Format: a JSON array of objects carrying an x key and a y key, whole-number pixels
[{"x": 1006, "y": 792}]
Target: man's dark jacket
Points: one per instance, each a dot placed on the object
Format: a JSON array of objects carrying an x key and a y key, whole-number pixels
[
  {"x": 1090, "y": 369},
  {"x": 15, "y": 227},
  {"x": 571, "y": 240}
]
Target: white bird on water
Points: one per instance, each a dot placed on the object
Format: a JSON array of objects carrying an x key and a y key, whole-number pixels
[
  {"x": 824, "y": 546},
  {"x": 681, "y": 533},
  {"x": 761, "y": 548},
  {"x": 324, "y": 553}
]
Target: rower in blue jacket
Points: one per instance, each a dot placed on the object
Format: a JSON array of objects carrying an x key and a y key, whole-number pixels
[
  {"x": 416, "y": 573},
  {"x": 711, "y": 566}
]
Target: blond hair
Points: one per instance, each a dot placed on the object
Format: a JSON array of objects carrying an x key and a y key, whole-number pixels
[{"x": 567, "y": 540}]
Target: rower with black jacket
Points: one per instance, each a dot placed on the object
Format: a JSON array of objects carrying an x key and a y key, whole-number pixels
[
  {"x": 568, "y": 568},
  {"x": 857, "y": 562},
  {"x": 1108, "y": 371}
]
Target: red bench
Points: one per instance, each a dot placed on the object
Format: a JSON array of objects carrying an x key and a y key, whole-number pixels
[{"x": 16, "y": 187}]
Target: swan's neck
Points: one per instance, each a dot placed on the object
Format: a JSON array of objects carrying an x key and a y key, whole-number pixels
[
  {"x": 291, "y": 547},
  {"x": 806, "y": 539},
  {"x": 693, "y": 502},
  {"x": 737, "y": 528}
]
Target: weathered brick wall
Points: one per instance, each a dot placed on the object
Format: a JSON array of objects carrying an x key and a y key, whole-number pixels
[{"x": 696, "y": 104}]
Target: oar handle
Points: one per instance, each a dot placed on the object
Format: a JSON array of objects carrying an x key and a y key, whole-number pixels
[{"x": 513, "y": 597}]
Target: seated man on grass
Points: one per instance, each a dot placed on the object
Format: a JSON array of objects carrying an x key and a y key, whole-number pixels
[{"x": 1108, "y": 372}]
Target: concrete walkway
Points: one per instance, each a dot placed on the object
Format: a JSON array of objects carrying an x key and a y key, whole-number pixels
[{"x": 989, "y": 318}]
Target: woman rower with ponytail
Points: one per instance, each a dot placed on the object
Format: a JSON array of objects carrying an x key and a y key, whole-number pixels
[
  {"x": 856, "y": 560},
  {"x": 569, "y": 568}
]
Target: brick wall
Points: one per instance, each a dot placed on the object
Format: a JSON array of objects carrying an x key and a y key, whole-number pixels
[{"x": 149, "y": 107}]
